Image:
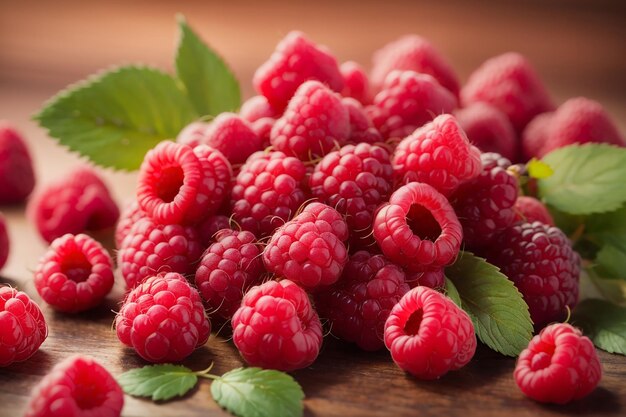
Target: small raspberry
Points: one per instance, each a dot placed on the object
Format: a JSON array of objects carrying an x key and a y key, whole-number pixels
[
  {"x": 193, "y": 134},
  {"x": 17, "y": 178},
  {"x": 130, "y": 215},
  {"x": 76, "y": 387},
  {"x": 529, "y": 209},
  {"x": 356, "y": 83},
  {"x": 437, "y": 154},
  {"x": 233, "y": 136},
  {"x": 208, "y": 228},
  {"x": 256, "y": 108},
  {"x": 358, "y": 305},
  {"x": 22, "y": 326},
  {"x": 277, "y": 328},
  {"x": 418, "y": 229},
  {"x": 4, "y": 242},
  {"x": 75, "y": 274},
  {"x": 558, "y": 366},
  {"x": 361, "y": 127},
  {"x": 432, "y": 279},
  {"x": 428, "y": 335},
  {"x": 163, "y": 319}
]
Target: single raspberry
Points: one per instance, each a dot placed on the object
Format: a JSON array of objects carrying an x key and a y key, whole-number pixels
[
  {"x": 356, "y": 83},
  {"x": 178, "y": 184},
  {"x": 428, "y": 335},
  {"x": 233, "y": 136},
  {"x": 163, "y": 319},
  {"x": 437, "y": 154},
  {"x": 295, "y": 61},
  {"x": 418, "y": 229},
  {"x": 76, "y": 387},
  {"x": 358, "y": 305},
  {"x": 208, "y": 229},
  {"x": 130, "y": 215},
  {"x": 277, "y": 328},
  {"x": 314, "y": 123},
  {"x": 263, "y": 129},
  {"x": 17, "y": 178},
  {"x": 4, "y": 242},
  {"x": 529, "y": 209},
  {"x": 151, "y": 248},
  {"x": 432, "y": 279},
  {"x": 22, "y": 326},
  {"x": 510, "y": 83},
  {"x": 558, "y": 366},
  {"x": 78, "y": 202},
  {"x": 267, "y": 192},
  {"x": 75, "y": 274},
  {"x": 541, "y": 263},
  {"x": 193, "y": 134},
  {"x": 257, "y": 107},
  {"x": 484, "y": 205},
  {"x": 361, "y": 127},
  {"x": 228, "y": 268}
]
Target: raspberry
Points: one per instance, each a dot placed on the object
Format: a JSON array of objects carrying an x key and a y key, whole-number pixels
[
  {"x": 22, "y": 326},
  {"x": 431, "y": 279},
  {"x": 130, "y": 215},
  {"x": 76, "y": 387},
  {"x": 361, "y": 127},
  {"x": 360, "y": 302},
  {"x": 263, "y": 129},
  {"x": 509, "y": 83},
  {"x": 529, "y": 209},
  {"x": 326, "y": 219},
  {"x": 428, "y": 335},
  {"x": 78, "y": 202},
  {"x": 356, "y": 83},
  {"x": 193, "y": 134},
  {"x": 178, "y": 184},
  {"x": 233, "y": 136},
  {"x": 541, "y": 263},
  {"x": 208, "y": 228},
  {"x": 163, "y": 319},
  {"x": 75, "y": 274},
  {"x": 558, "y": 366},
  {"x": 4, "y": 242},
  {"x": 228, "y": 268},
  {"x": 277, "y": 328},
  {"x": 418, "y": 229},
  {"x": 295, "y": 61},
  {"x": 151, "y": 248},
  {"x": 17, "y": 178},
  {"x": 438, "y": 154},
  {"x": 314, "y": 123},
  {"x": 484, "y": 205},
  {"x": 256, "y": 108},
  {"x": 267, "y": 192}
]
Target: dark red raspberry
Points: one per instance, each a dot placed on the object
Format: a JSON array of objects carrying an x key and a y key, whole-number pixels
[
  {"x": 163, "y": 319},
  {"x": 360, "y": 302},
  {"x": 256, "y": 108},
  {"x": 295, "y": 61},
  {"x": 151, "y": 248},
  {"x": 4, "y": 242},
  {"x": 314, "y": 123},
  {"x": 529, "y": 209},
  {"x": 418, "y": 229},
  {"x": 558, "y": 366},
  {"x": 437, "y": 154},
  {"x": 228, "y": 268},
  {"x": 75, "y": 274},
  {"x": 178, "y": 184},
  {"x": 193, "y": 134},
  {"x": 233, "y": 136},
  {"x": 356, "y": 83},
  {"x": 78, "y": 202},
  {"x": 432, "y": 279},
  {"x": 428, "y": 335},
  {"x": 541, "y": 263},
  {"x": 208, "y": 228},
  {"x": 76, "y": 387},
  {"x": 17, "y": 178},
  {"x": 277, "y": 328},
  {"x": 361, "y": 127},
  {"x": 22, "y": 326},
  {"x": 130, "y": 215}
]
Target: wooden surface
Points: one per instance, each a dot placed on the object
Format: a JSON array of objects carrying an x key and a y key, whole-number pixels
[{"x": 578, "y": 50}]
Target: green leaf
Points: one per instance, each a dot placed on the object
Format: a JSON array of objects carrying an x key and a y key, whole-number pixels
[
  {"x": 611, "y": 262},
  {"x": 604, "y": 323},
  {"x": 611, "y": 289},
  {"x": 256, "y": 392},
  {"x": 452, "y": 292},
  {"x": 608, "y": 228},
  {"x": 499, "y": 313},
  {"x": 539, "y": 169},
  {"x": 210, "y": 84},
  {"x": 115, "y": 117},
  {"x": 587, "y": 178},
  {"x": 161, "y": 382}
]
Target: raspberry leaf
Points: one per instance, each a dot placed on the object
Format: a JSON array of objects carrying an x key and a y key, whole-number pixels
[
  {"x": 452, "y": 292},
  {"x": 497, "y": 309},
  {"x": 604, "y": 323},
  {"x": 160, "y": 382}
]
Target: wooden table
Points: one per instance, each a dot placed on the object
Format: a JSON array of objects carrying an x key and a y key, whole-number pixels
[{"x": 43, "y": 47}]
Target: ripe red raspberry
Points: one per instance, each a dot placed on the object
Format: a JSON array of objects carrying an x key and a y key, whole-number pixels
[
  {"x": 208, "y": 228},
  {"x": 17, "y": 178},
  {"x": 326, "y": 219},
  {"x": 277, "y": 328},
  {"x": 356, "y": 83},
  {"x": 4, "y": 242},
  {"x": 418, "y": 229},
  {"x": 78, "y": 202},
  {"x": 233, "y": 136},
  {"x": 256, "y": 108},
  {"x": 314, "y": 123},
  {"x": 529, "y": 209},
  {"x": 428, "y": 335},
  {"x": 151, "y": 248},
  {"x": 263, "y": 129},
  {"x": 267, "y": 192},
  {"x": 541, "y": 263},
  {"x": 76, "y": 387},
  {"x": 228, "y": 268},
  {"x": 22, "y": 326},
  {"x": 510, "y": 83},
  {"x": 193, "y": 134},
  {"x": 163, "y": 319},
  {"x": 558, "y": 366},
  {"x": 437, "y": 154},
  {"x": 178, "y": 184},
  {"x": 432, "y": 279},
  {"x": 361, "y": 127},
  {"x": 130, "y": 215},
  {"x": 358, "y": 305},
  {"x": 75, "y": 274},
  {"x": 295, "y": 61}
]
